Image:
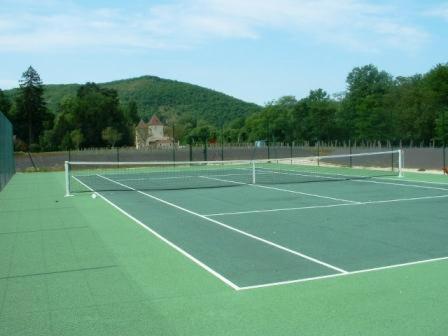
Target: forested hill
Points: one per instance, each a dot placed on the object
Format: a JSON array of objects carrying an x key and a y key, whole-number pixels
[{"x": 164, "y": 97}]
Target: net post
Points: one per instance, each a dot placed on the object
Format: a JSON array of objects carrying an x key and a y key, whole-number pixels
[
  {"x": 253, "y": 173},
  {"x": 400, "y": 163},
  {"x": 67, "y": 179}
]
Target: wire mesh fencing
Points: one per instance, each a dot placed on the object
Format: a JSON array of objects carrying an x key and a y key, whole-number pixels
[
  {"x": 416, "y": 158},
  {"x": 7, "y": 164}
]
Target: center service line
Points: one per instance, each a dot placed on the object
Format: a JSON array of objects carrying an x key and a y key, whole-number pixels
[{"x": 268, "y": 242}]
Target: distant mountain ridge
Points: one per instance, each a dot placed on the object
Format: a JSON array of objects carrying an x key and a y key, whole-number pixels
[{"x": 163, "y": 96}]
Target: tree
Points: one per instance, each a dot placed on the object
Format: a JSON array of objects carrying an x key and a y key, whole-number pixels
[
  {"x": 77, "y": 138},
  {"x": 321, "y": 117},
  {"x": 90, "y": 111},
  {"x": 96, "y": 108},
  {"x": 131, "y": 113},
  {"x": 365, "y": 114},
  {"x": 31, "y": 115},
  {"x": 5, "y": 104},
  {"x": 111, "y": 136}
]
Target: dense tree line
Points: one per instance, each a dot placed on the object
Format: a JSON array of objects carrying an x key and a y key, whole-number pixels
[
  {"x": 92, "y": 118},
  {"x": 375, "y": 107}
]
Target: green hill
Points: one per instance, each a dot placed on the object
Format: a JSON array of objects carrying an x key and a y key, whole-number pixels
[{"x": 164, "y": 97}]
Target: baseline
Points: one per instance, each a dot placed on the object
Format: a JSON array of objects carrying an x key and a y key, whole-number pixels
[{"x": 367, "y": 270}]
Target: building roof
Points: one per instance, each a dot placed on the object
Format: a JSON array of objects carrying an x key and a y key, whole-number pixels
[
  {"x": 154, "y": 121},
  {"x": 142, "y": 124}
]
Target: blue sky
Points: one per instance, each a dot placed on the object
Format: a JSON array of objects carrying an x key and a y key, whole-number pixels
[{"x": 256, "y": 50}]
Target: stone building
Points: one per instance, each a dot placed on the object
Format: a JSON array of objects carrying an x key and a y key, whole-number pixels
[{"x": 151, "y": 135}]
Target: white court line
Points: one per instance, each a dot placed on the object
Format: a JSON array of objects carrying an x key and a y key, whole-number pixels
[
  {"x": 344, "y": 274},
  {"x": 408, "y": 180},
  {"x": 177, "y": 177},
  {"x": 311, "y": 174},
  {"x": 174, "y": 246},
  {"x": 325, "y": 206},
  {"x": 359, "y": 179},
  {"x": 247, "y": 234},
  {"x": 402, "y": 185},
  {"x": 284, "y": 190},
  {"x": 276, "y": 210}
]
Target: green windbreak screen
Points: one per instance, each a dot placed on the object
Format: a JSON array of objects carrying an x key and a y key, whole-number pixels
[{"x": 7, "y": 165}]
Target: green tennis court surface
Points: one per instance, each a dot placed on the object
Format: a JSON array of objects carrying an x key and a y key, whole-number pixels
[
  {"x": 278, "y": 259},
  {"x": 256, "y": 235}
]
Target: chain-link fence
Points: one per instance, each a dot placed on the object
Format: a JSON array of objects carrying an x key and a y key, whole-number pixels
[
  {"x": 7, "y": 165},
  {"x": 417, "y": 158}
]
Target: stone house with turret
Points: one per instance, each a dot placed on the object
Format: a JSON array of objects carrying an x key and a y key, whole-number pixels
[{"x": 151, "y": 135}]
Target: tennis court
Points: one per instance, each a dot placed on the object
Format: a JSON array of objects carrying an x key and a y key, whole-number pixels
[{"x": 258, "y": 226}]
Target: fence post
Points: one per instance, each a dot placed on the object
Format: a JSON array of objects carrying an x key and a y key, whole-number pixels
[
  {"x": 350, "y": 152},
  {"x": 445, "y": 168},
  {"x": 318, "y": 153},
  {"x": 268, "y": 144},
  {"x": 290, "y": 149},
  {"x": 32, "y": 161},
  {"x": 174, "y": 146},
  {"x": 392, "y": 155},
  {"x": 222, "y": 141}
]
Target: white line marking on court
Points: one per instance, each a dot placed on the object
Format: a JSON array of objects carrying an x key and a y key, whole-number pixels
[
  {"x": 176, "y": 177},
  {"x": 174, "y": 246},
  {"x": 247, "y": 234},
  {"x": 362, "y": 179},
  {"x": 310, "y": 174},
  {"x": 403, "y": 185},
  {"x": 344, "y": 274},
  {"x": 281, "y": 189},
  {"x": 276, "y": 210},
  {"x": 326, "y": 206},
  {"x": 408, "y": 180}
]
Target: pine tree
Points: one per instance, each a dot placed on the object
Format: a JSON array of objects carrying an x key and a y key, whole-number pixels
[{"x": 31, "y": 115}]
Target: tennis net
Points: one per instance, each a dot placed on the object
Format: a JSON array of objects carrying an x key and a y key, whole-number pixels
[{"x": 125, "y": 176}]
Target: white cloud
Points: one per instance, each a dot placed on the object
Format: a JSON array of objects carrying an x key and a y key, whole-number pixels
[
  {"x": 350, "y": 24},
  {"x": 440, "y": 11}
]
